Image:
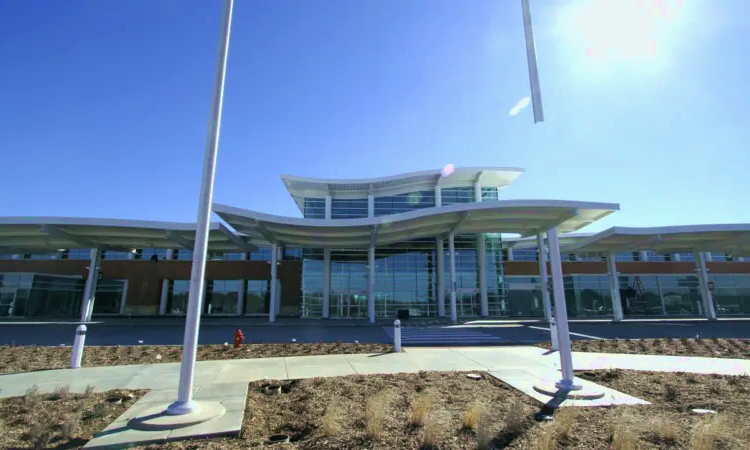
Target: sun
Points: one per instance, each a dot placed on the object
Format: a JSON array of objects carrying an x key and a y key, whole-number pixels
[{"x": 623, "y": 28}]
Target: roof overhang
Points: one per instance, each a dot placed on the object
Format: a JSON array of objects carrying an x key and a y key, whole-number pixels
[
  {"x": 728, "y": 238},
  {"x": 525, "y": 217},
  {"x": 18, "y": 234},
  {"x": 302, "y": 187}
]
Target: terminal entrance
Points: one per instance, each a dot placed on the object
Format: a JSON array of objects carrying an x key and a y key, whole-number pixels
[
  {"x": 468, "y": 302},
  {"x": 349, "y": 305}
]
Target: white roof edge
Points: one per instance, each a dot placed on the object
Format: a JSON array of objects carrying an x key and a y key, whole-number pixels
[
  {"x": 646, "y": 231},
  {"x": 458, "y": 207},
  {"x": 285, "y": 177},
  {"x": 97, "y": 222}
]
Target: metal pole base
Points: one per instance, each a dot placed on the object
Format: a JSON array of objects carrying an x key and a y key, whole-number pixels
[
  {"x": 179, "y": 408},
  {"x": 568, "y": 385}
]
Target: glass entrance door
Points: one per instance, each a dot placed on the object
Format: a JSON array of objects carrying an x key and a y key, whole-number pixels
[
  {"x": 7, "y": 299},
  {"x": 345, "y": 305},
  {"x": 467, "y": 302}
]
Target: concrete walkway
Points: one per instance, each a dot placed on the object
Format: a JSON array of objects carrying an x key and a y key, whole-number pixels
[{"x": 491, "y": 359}]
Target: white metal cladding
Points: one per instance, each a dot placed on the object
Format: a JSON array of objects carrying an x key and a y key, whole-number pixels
[
  {"x": 530, "y": 242},
  {"x": 526, "y": 217},
  {"x": 301, "y": 187},
  {"x": 729, "y": 238},
  {"x": 52, "y": 233}
]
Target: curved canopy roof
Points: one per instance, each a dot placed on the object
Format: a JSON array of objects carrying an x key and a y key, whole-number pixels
[
  {"x": 728, "y": 238},
  {"x": 526, "y": 217},
  {"x": 301, "y": 187},
  {"x": 52, "y": 233}
]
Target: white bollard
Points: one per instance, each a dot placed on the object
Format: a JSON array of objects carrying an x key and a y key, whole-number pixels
[
  {"x": 397, "y": 336},
  {"x": 77, "y": 356},
  {"x": 553, "y": 334}
]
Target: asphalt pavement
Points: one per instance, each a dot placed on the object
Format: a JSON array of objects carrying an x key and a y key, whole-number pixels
[{"x": 490, "y": 332}]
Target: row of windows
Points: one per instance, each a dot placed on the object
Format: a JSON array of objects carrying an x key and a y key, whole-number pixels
[{"x": 222, "y": 297}]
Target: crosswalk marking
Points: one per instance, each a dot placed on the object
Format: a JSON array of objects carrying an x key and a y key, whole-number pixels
[{"x": 412, "y": 336}]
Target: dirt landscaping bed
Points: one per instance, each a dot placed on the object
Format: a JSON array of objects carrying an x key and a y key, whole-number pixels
[
  {"x": 434, "y": 410},
  {"x": 59, "y": 420},
  {"x": 25, "y": 359},
  {"x": 710, "y": 348}
]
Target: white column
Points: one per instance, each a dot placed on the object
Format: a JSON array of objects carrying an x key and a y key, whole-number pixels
[
  {"x": 131, "y": 255},
  {"x": 326, "y": 282},
  {"x": 709, "y": 257},
  {"x": 438, "y": 196},
  {"x": 452, "y": 251},
  {"x": 702, "y": 272},
  {"x": 274, "y": 261},
  {"x": 89, "y": 292},
  {"x": 561, "y": 313},
  {"x": 676, "y": 257},
  {"x": 740, "y": 259},
  {"x": 481, "y": 260},
  {"x": 614, "y": 287},
  {"x": 243, "y": 288},
  {"x": 643, "y": 255},
  {"x": 440, "y": 253},
  {"x": 370, "y": 205},
  {"x": 543, "y": 276},
  {"x": 371, "y": 284},
  {"x": 163, "y": 297},
  {"x": 123, "y": 300},
  {"x": 509, "y": 253},
  {"x": 17, "y": 256},
  {"x": 329, "y": 202}
]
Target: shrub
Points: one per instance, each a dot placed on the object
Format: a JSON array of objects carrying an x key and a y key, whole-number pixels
[
  {"x": 332, "y": 421},
  {"x": 374, "y": 414},
  {"x": 60, "y": 393},
  {"x": 471, "y": 418},
  {"x": 564, "y": 420},
  {"x": 420, "y": 409}
]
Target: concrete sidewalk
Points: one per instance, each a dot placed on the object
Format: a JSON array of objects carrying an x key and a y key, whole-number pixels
[{"x": 491, "y": 359}]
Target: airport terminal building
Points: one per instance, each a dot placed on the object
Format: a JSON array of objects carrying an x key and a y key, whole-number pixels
[{"x": 426, "y": 243}]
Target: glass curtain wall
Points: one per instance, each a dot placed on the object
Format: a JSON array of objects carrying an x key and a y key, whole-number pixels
[
  {"x": 312, "y": 282},
  {"x": 221, "y": 296},
  {"x": 405, "y": 278},
  {"x": 731, "y": 294},
  {"x": 494, "y": 274},
  {"x": 257, "y": 297},
  {"x": 467, "y": 276},
  {"x": 348, "y": 283},
  {"x": 405, "y": 202}
]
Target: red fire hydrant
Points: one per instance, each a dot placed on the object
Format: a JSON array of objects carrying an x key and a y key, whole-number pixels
[{"x": 239, "y": 338}]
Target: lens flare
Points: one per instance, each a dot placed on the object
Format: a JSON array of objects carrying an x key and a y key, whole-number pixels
[
  {"x": 447, "y": 170},
  {"x": 520, "y": 106}
]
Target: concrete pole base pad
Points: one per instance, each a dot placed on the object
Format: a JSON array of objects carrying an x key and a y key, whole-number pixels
[
  {"x": 156, "y": 418},
  {"x": 585, "y": 393}
]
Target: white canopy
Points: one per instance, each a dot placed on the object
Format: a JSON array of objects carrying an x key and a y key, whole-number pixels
[
  {"x": 301, "y": 187},
  {"x": 526, "y": 217},
  {"x": 728, "y": 238},
  {"x": 52, "y": 233}
]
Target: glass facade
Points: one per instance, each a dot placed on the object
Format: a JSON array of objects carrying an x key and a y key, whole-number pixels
[
  {"x": 405, "y": 202},
  {"x": 348, "y": 208},
  {"x": 257, "y": 297},
  {"x": 731, "y": 294},
  {"x": 315, "y": 208},
  {"x": 39, "y": 295},
  {"x": 490, "y": 193},
  {"x": 221, "y": 296},
  {"x": 450, "y": 196}
]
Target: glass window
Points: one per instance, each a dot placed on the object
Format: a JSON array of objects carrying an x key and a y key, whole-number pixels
[
  {"x": 450, "y": 196},
  {"x": 525, "y": 254},
  {"x": 182, "y": 254},
  {"x": 76, "y": 253},
  {"x": 109, "y": 294},
  {"x": 405, "y": 202},
  {"x": 349, "y": 208},
  {"x": 490, "y": 193},
  {"x": 689, "y": 256},
  {"x": 147, "y": 253},
  {"x": 626, "y": 256},
  {"x": 315, "y": 208},
  {"x": 257, "y": 297},
  {"x": 222, "y": 296},
  {"x": 720, "y": 257},
  {"x": 292, "y": 254},
  {"x": 262, "y": 254},
  {"x": 177, "y": 298},
  {"x": 113, "y": 255}
]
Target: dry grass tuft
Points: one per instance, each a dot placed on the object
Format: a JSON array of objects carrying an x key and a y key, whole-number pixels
[
  {"x": 60, "y": 393},
  {"x": 40, "y": 436},
  {"x": 31, "y": 395},
  {"x": 709, "y": 434},
  {"x": 332, "y": 421},
  {"x": 547, "y": 440},
  {"x": 89, "y": 390},
  {"x": 670, "y": 392},
  {"x": 484, "y": 432},
  {"x": 420, "y": 409},
  {"x": 430, "y": 434},
  {"x": 471, "y": 417},
  {"x": 624, "y": 438},
  {"x": 374, "y": 415},
  {"x": 515, "y": 418},
  {"x": 70, "y": 426},
  {"x": 564, "y": 419},
  {"x": 665, "y": 430}
]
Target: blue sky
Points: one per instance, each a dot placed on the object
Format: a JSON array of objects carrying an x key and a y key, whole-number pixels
[{"x": 105, "y": 104}]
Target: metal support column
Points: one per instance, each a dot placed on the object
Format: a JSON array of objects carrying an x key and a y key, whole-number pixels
[
  {"x": 164, "y": 295},
  {"x": 561, "y": 313},
  {"x": 452, "y": 251},
  {"x": 614, "y": 287},
  {"x": 371, "y": 284},
  {"x": 440, "y": 251},
  {"x": 706, "y": 295},
  {"x": 481, "y": 260},
  {"x": 326, "y": 283},
  {"x": 274, "y": 285},
  {"x": 543, "y": 276}
]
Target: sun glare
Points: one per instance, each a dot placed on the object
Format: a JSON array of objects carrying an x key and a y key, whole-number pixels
[{"x": 623, "y": 28}]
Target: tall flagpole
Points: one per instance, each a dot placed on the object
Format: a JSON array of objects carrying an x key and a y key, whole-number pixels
[
  {"x": 536, "y": 90},
  {"x": 184, "y": 403}
]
